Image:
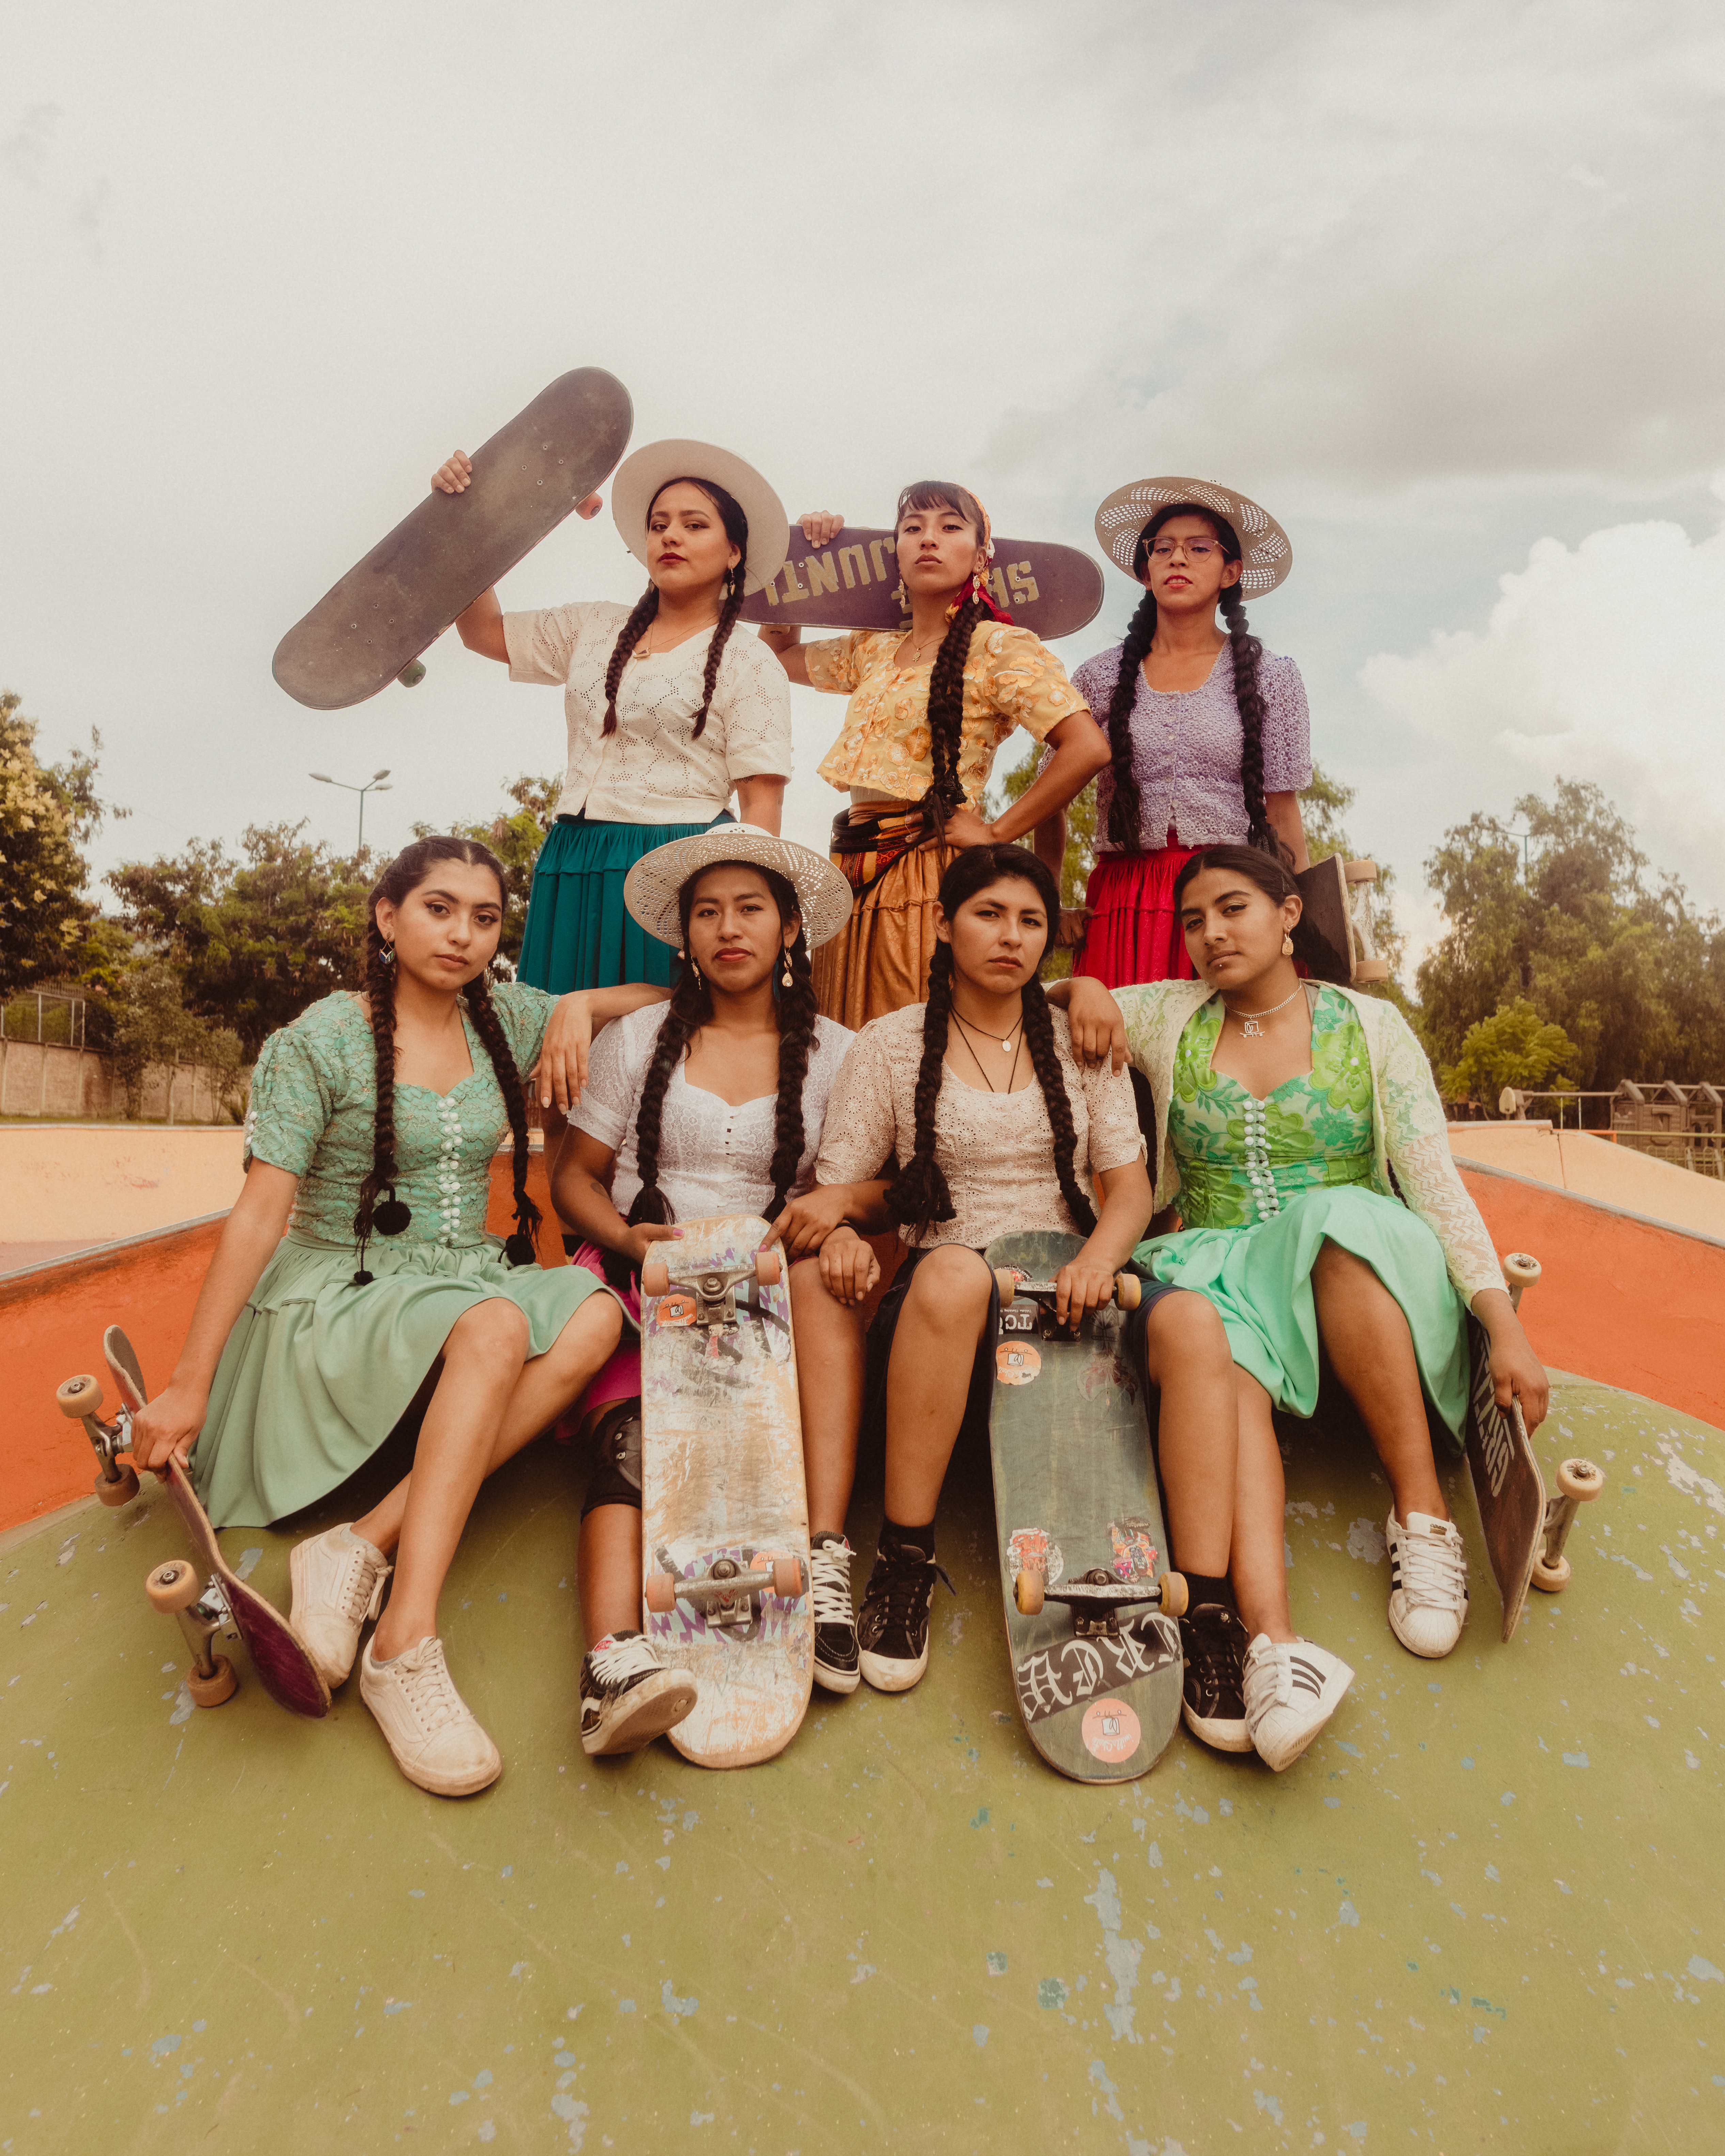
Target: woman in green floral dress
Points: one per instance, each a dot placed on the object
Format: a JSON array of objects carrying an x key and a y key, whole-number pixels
[
  {"x": 376, "y": 1115},
  {"x": 1285, "y": 1108}
]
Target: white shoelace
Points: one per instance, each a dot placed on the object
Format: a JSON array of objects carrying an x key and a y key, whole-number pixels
[
  {"x": 829, "y": 1579},
  {"x": 1273, "y": 1678},
  {"x": 1434, "y": 1570},
  {"x": 423, "y": 1676},
  {"x": 359, "y": 1592},
  {"x": 613, "y": 1666}
]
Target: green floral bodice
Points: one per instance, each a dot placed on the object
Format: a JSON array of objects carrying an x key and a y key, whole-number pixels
[
  {"x": 1241, "y": 1159},
  {"x": 314, "y": 1096}
]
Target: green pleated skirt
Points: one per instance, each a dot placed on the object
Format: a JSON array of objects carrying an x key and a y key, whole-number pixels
[
  {"x": 317, "y": 1372},
  {"x": 579, "y": 933},
  {"x": 1260, "y": 1280}
]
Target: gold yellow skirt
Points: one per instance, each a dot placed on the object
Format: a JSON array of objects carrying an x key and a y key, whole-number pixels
[{"x": 879, "y": 961}]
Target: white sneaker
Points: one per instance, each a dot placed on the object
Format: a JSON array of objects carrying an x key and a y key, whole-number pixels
[
  {"x": 426, "y": 1723},
  {"x": 338, "y": 1583},
  {"x": 629, "y": 1695},
  {"x": 1428, "y": 1583},
  {"x": 1291, "y": 1690}
]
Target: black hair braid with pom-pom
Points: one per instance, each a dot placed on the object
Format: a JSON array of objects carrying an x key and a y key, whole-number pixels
[
  {"x": 918, "y": 1195},
  {"x": 716, "y": 646},
  {"x": 1039, "y": 1034},
  {"x": 1249, "y": 696},
  {"x": 629, "y": 636},
  {"x": 521, "y": 1248},
  {"x": 946, "y": 709},
  {"x": 1124, "y": 808}
]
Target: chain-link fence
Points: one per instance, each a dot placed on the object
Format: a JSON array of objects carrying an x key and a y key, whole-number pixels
[{"x": 45, "y": 1015}]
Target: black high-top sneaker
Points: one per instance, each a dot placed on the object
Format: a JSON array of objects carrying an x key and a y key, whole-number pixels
[
  {"x": 836, "y": 1664},
  {"x": 892, "y": 1630},
  {"x": 629, "y": 1695},
  {"x": 1213, "y": 1642}
]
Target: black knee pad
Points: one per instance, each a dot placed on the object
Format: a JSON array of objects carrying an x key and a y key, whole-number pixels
[{"x": 616, "y": 1477}]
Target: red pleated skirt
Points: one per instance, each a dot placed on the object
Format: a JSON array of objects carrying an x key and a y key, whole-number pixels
[{"x": 1134, "y": 933}]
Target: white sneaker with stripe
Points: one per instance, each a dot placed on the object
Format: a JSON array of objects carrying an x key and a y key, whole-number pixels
[
  {"x": 1428, "y": 1583},
  {"x": 1291, "y": 1690}
]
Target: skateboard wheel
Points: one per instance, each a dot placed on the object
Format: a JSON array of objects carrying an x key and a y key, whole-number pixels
[
  {"x": 1174, "y": 1597},
  {"x": 1027, "y": 1589},
  {"x": 1127, "y": 1291},
  {"x": 121, "y": 1491},
  {"x": 221, "y": 1684},
  {"x": 1372, "y": 969},
  {"x": 787, "y": 1578},
  {"x": 79, "y": 1397},
  {"x": 1551, "y": 1579},
  {"x": 661, "y": 1592},
  {"x": 173, "y": 1586},
  {"x": 769, "y": 1268},
  {"x": 1006, "y": 1281},
  {"x": 1360, "y": 871},
  {"x": 1581, "y": 1480},
  {"x": 1521, "y": 1270},
  {"x": 413, "y": 673},
  {"x": 655, "y": 1277}
]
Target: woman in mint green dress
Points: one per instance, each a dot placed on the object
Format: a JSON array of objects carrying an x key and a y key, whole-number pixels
[
  {"x": 1285, "y": 1108},
  {"x": 374, "y": 1119}
]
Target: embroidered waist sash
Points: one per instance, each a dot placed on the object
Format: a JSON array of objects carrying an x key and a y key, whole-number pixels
[{"x": 865, "y": 846}]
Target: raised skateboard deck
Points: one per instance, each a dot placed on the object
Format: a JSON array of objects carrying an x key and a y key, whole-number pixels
[
  {"x": 284, "y": 1669},
  {"x": 1075, "y": 1491},
  {"x": 853, "y": 582},
  {"x": 722, "y": 1495},
  {"x": 406, "y": 591},
  {"x": 1336, "y": 907},
  {"x": 1508, "y": 1486}
]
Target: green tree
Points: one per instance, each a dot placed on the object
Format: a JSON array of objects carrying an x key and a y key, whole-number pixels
[
  {"x": 1515, "y": 1047},
  {"x": 254, "y": 941},
  {"x": 515, "y": 838},
  {"x": 152, "y": 1025},
  {"x": 48, "y": 813}
]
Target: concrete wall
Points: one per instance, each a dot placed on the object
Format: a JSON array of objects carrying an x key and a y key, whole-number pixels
[
  {"x": 39, "y": 1079},
  {"x": 1590, "y": 1167},
  {"x": 102, "y": 1181}
]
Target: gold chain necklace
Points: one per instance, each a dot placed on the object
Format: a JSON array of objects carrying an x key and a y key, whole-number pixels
[{"x": 1249, "y": 1024}]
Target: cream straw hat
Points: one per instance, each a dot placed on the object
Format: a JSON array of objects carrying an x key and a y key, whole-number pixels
[
  {"x": 640, "y": 477},
  {"x": 1266, "y": 555},
  {"x": 652, "y": 886}
]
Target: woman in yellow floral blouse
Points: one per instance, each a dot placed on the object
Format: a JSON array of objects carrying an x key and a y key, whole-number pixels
[{"x": 929, "y": 709}]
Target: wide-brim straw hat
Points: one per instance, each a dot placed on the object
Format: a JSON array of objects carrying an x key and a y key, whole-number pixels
[
  {"x": 652, "y": 886},
  {"x": 640, "y": 477},
  {"x": 1266, "y": 554}
]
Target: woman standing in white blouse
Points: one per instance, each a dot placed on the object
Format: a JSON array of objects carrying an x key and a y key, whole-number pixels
[
  {"x": 712, "y": 1104},
  {"x": 668, "y": 711},
  {"x": 1209, "y": 734}
]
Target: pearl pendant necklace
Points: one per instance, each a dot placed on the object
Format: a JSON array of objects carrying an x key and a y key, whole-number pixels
[
  {"x": 1004, "y": 1046},
  {"x": 1249, "y": 1024}
]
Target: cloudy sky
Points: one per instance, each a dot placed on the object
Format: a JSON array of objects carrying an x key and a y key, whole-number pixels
[{"x": 1438, "y": 284}]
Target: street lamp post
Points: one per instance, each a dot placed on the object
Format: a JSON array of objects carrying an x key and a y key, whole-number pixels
[{"x": 374, "y": 784}]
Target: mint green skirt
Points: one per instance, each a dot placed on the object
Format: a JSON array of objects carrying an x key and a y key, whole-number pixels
[
  {"x": 579, "y": 933},
  {"x": 317, "y": 1372},
  {"x": 1260, "y": 1280}
]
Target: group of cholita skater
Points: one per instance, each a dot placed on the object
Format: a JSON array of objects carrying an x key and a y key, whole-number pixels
[{"x": 715, "y": 1020}]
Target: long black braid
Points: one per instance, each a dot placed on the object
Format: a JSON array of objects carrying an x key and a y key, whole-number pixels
[
  {"x": 690, "y": 1008},
  {"x": 1124, "y": 806},
  {"x": 919, "y": 1195},
  {"x": 946, "y": 677},
  {"x": 646, "y": 608},
  {"x": 386, "y": 1215}
]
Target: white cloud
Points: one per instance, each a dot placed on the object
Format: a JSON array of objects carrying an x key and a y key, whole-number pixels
[{"x": 1605, "y": 661}]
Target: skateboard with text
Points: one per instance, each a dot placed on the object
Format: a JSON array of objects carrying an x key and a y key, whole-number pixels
[
  {"x": 369, "y": 629},
  {"x": 1337, "y": 906},
  {"x": 853, "y": 582},
  {"x": 207, "y": 1595},
  {"x": 724, "y": 1512},
  {"x": 1091, "y": 1602}
]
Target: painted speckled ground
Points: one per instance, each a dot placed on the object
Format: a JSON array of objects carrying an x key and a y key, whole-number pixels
[{"x": 1484, "y": 1913}]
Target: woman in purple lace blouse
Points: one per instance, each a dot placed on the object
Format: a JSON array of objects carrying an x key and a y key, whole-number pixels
[{"x": 1209, "y": 733}]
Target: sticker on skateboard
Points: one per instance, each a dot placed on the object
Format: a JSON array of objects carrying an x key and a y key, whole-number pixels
[
  {"x": 208, "y": 1601},
  {"x": 369, "y": 629},
  {"x": 1091, "y": 1605},
  {"x": 853, "y": 582},
  {"x": 724, "y": 1515}
]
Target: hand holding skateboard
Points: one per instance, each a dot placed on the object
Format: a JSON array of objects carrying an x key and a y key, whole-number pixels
[{"x": 455, "y": 475}]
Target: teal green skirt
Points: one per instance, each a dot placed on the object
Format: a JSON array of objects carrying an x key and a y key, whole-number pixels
[
  {"x": 317, "y": 1372},
  {"x": 1260, "y": 1279},
  {"x": 579, "y": 933}
]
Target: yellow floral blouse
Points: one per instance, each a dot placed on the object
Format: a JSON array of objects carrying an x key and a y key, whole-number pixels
[{"x": 1011, "y": 678}]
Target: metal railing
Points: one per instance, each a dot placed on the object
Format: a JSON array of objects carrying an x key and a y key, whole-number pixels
[{"x": 44, "y": 1015}]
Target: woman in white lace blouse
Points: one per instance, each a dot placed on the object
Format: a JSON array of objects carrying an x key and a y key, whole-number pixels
[
  {"x": 669, "y": 712},
  {"x": 714, "y": 1103},
  {"x": 977, "y": 1094},
  {"x": 1208, "y": 735}
]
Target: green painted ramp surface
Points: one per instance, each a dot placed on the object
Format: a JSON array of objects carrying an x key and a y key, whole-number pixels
[{"x": 1485, "y": 1913}]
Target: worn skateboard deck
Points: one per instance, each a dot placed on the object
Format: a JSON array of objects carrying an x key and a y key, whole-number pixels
[
  {"x": 284, "y": 1669},
  {"x": 406, "y": 591},
  {"x": 1335, "y": 906},
  {"x": 853, "y": 582},
  {"x": 722, "y": 1485},
  {"x": 1075, "y": 1489},
  {"x": 1508, "y": 1486}
]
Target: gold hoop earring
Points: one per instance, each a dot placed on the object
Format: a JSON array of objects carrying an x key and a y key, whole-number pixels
[{"x": 1287, "y": 947}]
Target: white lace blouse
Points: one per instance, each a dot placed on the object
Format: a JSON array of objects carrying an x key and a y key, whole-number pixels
[
  {"x": 995, "y": 1149},
  {"x": 652, "y": 770},
  {"x": 712, "y": 1157}
]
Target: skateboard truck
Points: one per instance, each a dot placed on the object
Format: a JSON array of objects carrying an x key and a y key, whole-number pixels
[
  {"x": 1578, "y": 1482},
  {"x": 1097, "y": 1597},
  {"x": 81, "y": 1400},
  {"x": 714, "y": 1292},
  {"x": 1014, "y": 1285},
  {"x": 173, "y": 1589},
  {"x": 729, "y": 1592}
]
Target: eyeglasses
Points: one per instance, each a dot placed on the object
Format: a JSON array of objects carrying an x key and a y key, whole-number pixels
[{"x": 1195, "y": 550}]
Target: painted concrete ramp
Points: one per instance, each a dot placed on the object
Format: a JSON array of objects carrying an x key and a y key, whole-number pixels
[{"x": 1487, "y": 1913}]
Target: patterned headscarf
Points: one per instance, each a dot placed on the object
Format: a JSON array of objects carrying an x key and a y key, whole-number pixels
[{"x": 977, "y": 587}]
